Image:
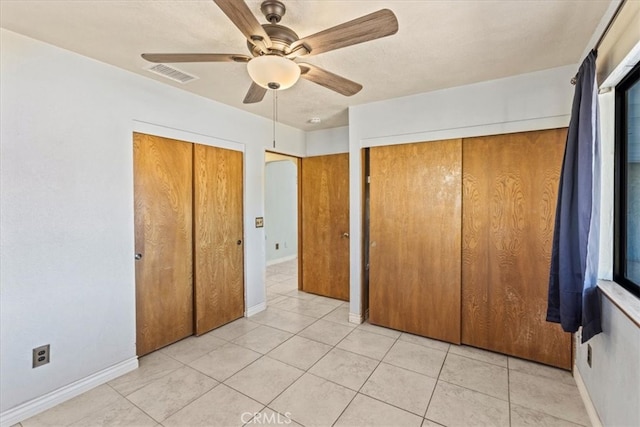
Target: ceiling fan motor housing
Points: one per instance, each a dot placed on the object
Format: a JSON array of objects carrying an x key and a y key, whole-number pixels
[
  {"x": 281, "y": 39},
  {"x": 273, "y": 10}
]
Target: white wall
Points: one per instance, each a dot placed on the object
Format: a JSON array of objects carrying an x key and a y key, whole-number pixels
[
  {"x": 613, "y": 379},
  {"x": 66, "y": 207},
  {"x": 540, "y": 100},
  {"x": 328, "y": 141},
  {"x": 281, "y": 210}
]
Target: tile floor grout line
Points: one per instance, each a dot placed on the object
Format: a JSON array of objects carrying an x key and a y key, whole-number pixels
[
  {"x": 307, "y": 371},
  {"x": 390, "y": 404},
  {"x": 290, "y": 385},
  {"x": 178, "y": 410},
  {"x": 243, "y": 393},
  {"x": 325, "y": 379},
  {"x": 374, "y": 370},
  {"x": 379, "y": 363},
  {"x": 345, "y": 408},
  {"x": 475, "y": 391},
  {"x": 411, "y": 370},
  {"x": 475, "y": 359},
  {"x": 437, "y": 380}
]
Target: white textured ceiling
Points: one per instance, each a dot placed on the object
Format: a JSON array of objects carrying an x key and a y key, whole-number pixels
[{"x": 440, "y": 44}]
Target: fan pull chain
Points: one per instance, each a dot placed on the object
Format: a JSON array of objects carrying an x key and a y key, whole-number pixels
[{"x": 275, "y": 115}]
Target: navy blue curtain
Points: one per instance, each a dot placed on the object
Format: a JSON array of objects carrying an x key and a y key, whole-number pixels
[{"x": 574, "y": 300}]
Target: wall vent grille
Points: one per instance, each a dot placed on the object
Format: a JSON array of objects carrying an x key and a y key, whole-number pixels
[{"x": 171, "y": 73}]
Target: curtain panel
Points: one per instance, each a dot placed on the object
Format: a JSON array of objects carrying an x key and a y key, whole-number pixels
[{"x": 574, "y": 300}]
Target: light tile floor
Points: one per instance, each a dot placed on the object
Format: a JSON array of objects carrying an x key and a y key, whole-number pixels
[{"x": 300, "y": 362}]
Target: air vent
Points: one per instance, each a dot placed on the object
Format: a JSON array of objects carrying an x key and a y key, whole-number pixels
[{"x": 172, "y": 73}]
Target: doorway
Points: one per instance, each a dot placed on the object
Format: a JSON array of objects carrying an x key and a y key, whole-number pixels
[
  {"x": 307, "y": 199},
  {"x": 281, "y": 223}
]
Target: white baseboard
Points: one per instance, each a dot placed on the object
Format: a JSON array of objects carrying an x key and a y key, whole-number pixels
[
  {"x": 355, "y": 318},
  {"x": 39, "y": 404},
  {"x": 283, "y": 259},
  {"x": 586, "y": 399},
  {"x": 256, "y": 309}
]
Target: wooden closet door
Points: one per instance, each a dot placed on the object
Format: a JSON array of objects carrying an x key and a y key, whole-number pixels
[
  {"x": 218, "y": 245},
  {"x": 163, "y": 237},
  {"x": 324, "y": 242},
  {"x": 510, "y": 189},
  {"x": 415, "y": 221}
]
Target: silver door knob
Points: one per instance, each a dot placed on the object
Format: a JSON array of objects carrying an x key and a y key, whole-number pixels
[
  {"x": 138, "y": 256},
  {"x": 345, "y": 235}
]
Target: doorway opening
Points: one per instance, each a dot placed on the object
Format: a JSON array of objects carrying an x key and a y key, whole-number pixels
[
  {"x": 281, "y": 218},
  {"x": 309, "y": 199}
]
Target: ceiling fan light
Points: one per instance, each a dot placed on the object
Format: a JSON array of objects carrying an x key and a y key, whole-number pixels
[{"x": 273, "y": 72}]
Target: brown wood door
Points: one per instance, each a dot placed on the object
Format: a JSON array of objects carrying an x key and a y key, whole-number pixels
[
  {"x": 218, "y": 245},
  {"x": 163, "y": 236},
  {"x": 324, "y": 241},
  {"x": 510, "y": 188},
  {"x": 414, "y": 250}
]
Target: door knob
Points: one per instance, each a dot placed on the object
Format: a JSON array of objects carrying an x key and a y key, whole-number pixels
[
  {"x": 239, "y": 242},
  {"x": 138, "y": 256},
  {"x": 345, "y": 235}
]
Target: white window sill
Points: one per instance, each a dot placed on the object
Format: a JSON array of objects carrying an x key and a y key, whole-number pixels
[{"x": 628, "y": 303}]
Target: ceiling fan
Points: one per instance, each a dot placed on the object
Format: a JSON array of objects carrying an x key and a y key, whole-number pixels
[{"x": 274, "y": 48}]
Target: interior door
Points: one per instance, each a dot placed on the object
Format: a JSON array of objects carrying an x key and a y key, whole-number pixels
[
  {"x": 510, "y": 188},
  {"x": 414, "y": 250},
  {"x": 163, "y": 241},
  {"x": 324, "y": 217},
  {"x": 218, "y": 246}
]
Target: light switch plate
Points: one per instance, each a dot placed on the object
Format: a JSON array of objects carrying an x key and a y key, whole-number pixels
[{"x": 259, "y": 222}]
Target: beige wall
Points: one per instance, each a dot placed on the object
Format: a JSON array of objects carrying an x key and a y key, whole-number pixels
[{"x": 621, "y": 38}]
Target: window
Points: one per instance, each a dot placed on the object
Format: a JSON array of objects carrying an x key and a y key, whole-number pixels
[{"x": 627, "y": 183}]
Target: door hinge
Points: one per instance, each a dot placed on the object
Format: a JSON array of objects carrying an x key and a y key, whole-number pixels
[{"x": 369, "y": 180}]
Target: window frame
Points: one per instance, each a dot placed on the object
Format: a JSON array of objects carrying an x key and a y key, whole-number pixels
[{"x": 620, "y": 182}]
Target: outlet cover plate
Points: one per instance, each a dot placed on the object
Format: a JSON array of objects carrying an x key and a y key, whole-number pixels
[
  {"x": 259, "y": 222},
  {"x": 41, "y": 355}
]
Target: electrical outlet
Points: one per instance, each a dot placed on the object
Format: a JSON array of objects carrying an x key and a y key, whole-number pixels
[
  {"x": 41, "y": 355},
  {"x": 277, "y": 246},
  {"x": 589, "y": 359}
]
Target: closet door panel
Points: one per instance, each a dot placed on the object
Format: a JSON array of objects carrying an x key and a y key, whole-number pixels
[
  {"x": 163, "y": 238},
  {"x": 218, "y": 237},
  {"x": 510, "y": 188},
  {"x": 415, "y": 241}
]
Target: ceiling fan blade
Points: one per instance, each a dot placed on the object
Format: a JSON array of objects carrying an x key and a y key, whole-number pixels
[
  {"x": 329, "y": 80},
  {"x": 255, "y": 94},
  {"x": 240, "y": 14},
  {"x": 369, "y": 27},
  {"x": 195, "y": 57}
]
